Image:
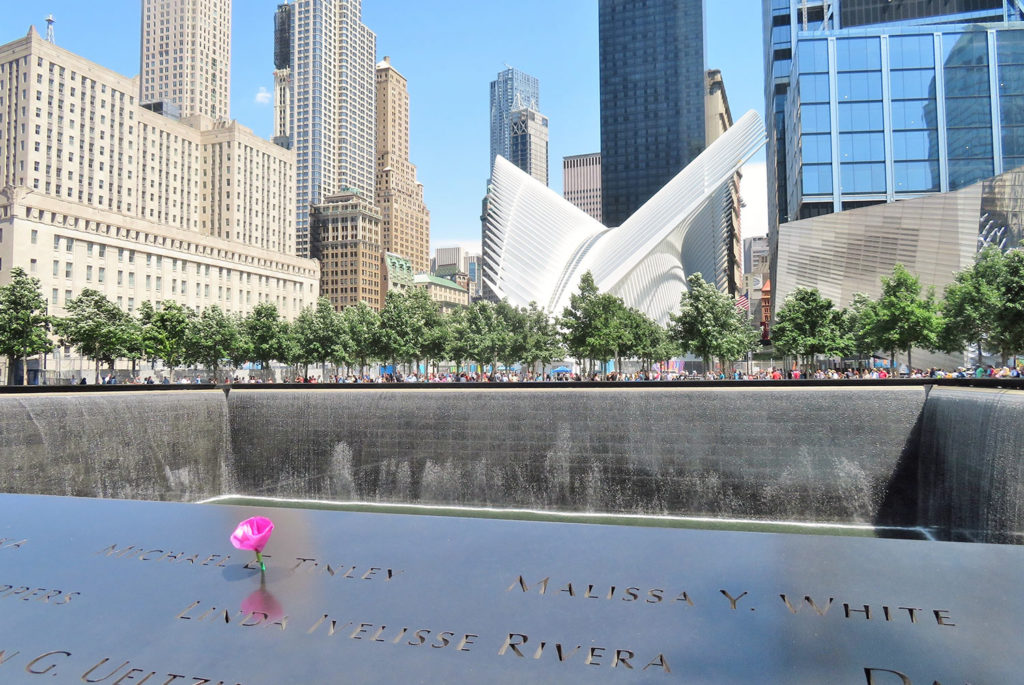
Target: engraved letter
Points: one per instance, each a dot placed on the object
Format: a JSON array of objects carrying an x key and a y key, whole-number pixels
[
  {"x": 38, "y": 659},
  {"x": 866, "y": 611},
  {"x": 911, "y": 610},
  {"x": 514, "y": 646},
  {"x": 85, "y": 676},
  {"x": 622, "y": 656},
  {"x": 732, "y": 602},
  {"x": 421, "y": 636},
  {"x": 360, "y": 629},
  {"x": 8, "y": 657},
  {"x": 130, "y": 675},
  {"x": 466, "y": 641},
  {"x": 942, "y": 616},
  {"x": 593, "y": 654},
  {"x": 562, "y": 656},
  {"x": 656, "y": 594},
  {"x": 660, "y": 659},
  {"x": 445, "y": 639},
  {"x": 187, "y": 609}
]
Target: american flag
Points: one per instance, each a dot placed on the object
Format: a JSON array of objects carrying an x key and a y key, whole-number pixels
[{"x": 743, "y": 303}]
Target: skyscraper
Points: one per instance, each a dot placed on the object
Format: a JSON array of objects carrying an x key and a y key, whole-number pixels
[
  {"x": 405, "y": 223},
  {"x": 186, "y": 55},
  {"x": 876, "y": 101},
  {"x": 282, "y": 74},
  {"x": 511, "y": 91},
  {"x": 652, "y": 57},
  {"x": 332, "y": 106},
  {"x": 581, "y": 182},
  {"x": 528, "y": 142}
]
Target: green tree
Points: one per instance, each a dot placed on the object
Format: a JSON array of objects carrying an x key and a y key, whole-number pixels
[
  {"x": 266, "y": 335},
  {"x": 575, "y": 322},
  {"x": 96, "y": 327},
  {"x": 649, "y": 340},
  {"x": 859, "y": 323},
  {"x": 24, "y": 323},
  {"x": 402, "y": 328},
  {"x": 540, "y": 339},
  {"x": 214, "y": 337},
  {"x": 808, "y": 324},
  {"x": 609, "y": 330},
  {"x": 510, "y": 336},
  {"x": 709, "y": 324},
  {"x": 971, "y": 304},
  {"x": 165, "y": 332},
  {"x": 319, "y": 336},
  {"x": 1010, "y": 333},
  {"x": 903, "y": 319},
  {"x": 360, "y": 326},
  {"x": 483, "y": 336}
]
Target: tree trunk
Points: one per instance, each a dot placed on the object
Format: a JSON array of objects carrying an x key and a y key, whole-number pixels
[
  {"x": 980, "y": 360},
  {"x": 97, "y": 372}
]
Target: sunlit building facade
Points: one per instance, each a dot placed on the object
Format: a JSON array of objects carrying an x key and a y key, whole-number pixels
[{"x": 872, "y": 102}]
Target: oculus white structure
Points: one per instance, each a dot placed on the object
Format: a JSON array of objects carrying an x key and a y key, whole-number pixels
[{"x": 537, "y": 245}]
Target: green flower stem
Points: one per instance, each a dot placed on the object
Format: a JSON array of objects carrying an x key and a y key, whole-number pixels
[{"x": 259, "y": 560}]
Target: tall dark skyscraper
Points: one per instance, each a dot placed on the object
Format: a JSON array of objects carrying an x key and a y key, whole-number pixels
[{"x": 652, "y": 59}]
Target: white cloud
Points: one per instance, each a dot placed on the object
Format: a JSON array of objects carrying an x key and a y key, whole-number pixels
[
  {"x": 262, "y": 96},
  {"x": 754, "y": 192}
]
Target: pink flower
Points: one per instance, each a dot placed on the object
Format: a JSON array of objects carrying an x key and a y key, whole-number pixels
[{"x": 253, "y": 533}]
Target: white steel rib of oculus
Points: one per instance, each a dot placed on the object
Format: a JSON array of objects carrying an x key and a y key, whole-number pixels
[{"x": 538, "y": 244}]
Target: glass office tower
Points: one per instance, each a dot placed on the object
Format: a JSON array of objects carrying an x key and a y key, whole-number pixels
[
  {"x": 652, "y": 59},
  {"x": 512, "y": 90},
  {"x": 873, "y": 101}
]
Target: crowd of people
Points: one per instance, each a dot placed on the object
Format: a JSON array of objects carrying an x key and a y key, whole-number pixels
[{"x": 561, "y": 376}]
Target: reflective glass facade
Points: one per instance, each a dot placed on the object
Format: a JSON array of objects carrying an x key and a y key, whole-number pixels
[
  {"x": 512, "y": 90},
  {"x": 931, "y": 102},
  {"x": 652, "y": 62}
]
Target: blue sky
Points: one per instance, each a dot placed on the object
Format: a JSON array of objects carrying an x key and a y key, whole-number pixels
[{"x": 449, "y": 50}]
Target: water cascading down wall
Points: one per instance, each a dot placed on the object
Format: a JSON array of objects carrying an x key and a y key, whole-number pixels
[{"x": 943, "y": 458}]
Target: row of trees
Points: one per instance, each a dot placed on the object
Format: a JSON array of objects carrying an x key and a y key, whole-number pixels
[
  {"x": 983, "y": 307},
  {"x": 595, "y": 328}
]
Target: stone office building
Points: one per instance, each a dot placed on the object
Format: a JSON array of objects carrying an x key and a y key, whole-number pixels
[{"x": 100, "y": 192}]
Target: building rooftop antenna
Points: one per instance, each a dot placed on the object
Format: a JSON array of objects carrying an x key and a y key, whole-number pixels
[{"x": 49, "y": 29}]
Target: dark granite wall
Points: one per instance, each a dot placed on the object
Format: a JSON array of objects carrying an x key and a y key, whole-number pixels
[
  {"x": 153, "y": 446},
  {"x": 815, "y": 454},
  {"x": 881, "y": 455},
  {"x": 972, "y": 464}
]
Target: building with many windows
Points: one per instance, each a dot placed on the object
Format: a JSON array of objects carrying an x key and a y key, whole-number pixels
[
  {"x": 528, "y": 143},
  {"x": 447, "y": 293},
  {"x": 581, "y": 182},
  {"x": 512, "y": 91},
  {"x": 345, "y": 237},
  {"x": 100, "y": 192},
  {"x": 282, "y": 74},
  {"x": 652, "y": 57},
  {"x": 186, "y": 55},
  {"x": 873, "y": 102},
  {"x": 331, "y": 103},
  {"x": 405, "y": 220},
  {"x": 728, "y": 274}
]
